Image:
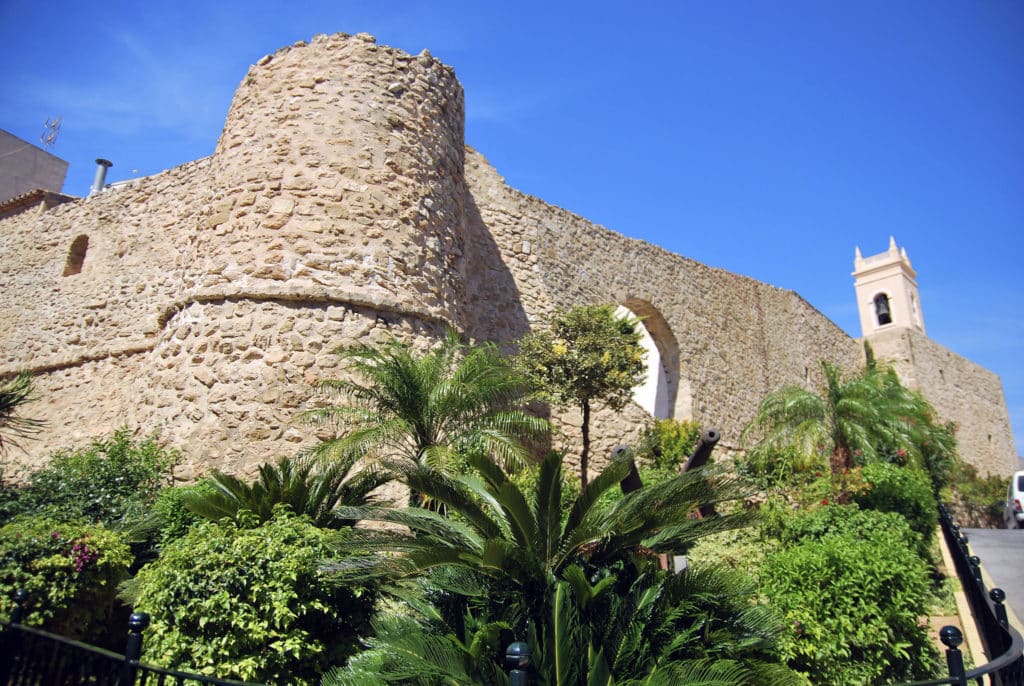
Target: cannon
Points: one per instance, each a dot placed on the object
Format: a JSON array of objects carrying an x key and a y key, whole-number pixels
[
  {"x": 702, "y": 453},
  {"x": 700, "y": 456}
]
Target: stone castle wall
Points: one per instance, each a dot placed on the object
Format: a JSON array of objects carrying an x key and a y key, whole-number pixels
[
  {"x": 960, "y": 391},
  {"x": 341, "y": 205},
  {"x": 211, "y": 296},
  {"x": 731, "y": 339}
]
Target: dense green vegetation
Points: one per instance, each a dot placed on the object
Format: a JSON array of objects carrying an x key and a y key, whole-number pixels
[
  {"x": 816, "y": 568},
  {"x": 111, "y": 481},
  {"x": 250, "y": 602},
  {"x": 852, "y": 585}
]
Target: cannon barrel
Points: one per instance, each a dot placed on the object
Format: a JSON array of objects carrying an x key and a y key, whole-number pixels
[
  {"x": 702, "y": 453},
  {"x": 632, "y": 481}
]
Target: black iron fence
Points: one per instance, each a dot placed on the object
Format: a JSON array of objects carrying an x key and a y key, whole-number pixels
[
  {"x": 30, "y": 657},
  {"x": 1001, "y": 641}
]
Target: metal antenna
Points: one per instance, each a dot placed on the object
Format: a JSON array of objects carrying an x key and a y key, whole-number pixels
[{"x": 51, "y": 129}]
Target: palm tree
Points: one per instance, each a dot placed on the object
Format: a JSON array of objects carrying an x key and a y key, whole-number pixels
[
  {"x": 519, "y": 540},
  {"x": 850, "y": 418},
  {"x": 427, "y": 408},
  {"x": 419, "y": 649},
  {"x": 583, "y": 587},
  {"x": 696, "y": 628},
  {"x": 14, "y": 395},
  {"x": 306, "y": 486}
]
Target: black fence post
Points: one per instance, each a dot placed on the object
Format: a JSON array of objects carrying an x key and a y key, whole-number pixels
[
  {"x": 952, "y": 638},
  {"x": 998, "y": 597},
  {"x": 976, "y": 570},
  {"x": 137, "y": 623},
  {"x": 20, "y": 598},
  {"x": 517, "y": 659},
  {"x": 10, "y": 639}
]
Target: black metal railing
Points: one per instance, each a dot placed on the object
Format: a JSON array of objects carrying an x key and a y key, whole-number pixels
[
  {"x": 31, "y": 657},
  {"x": 1001, "y": 641}
]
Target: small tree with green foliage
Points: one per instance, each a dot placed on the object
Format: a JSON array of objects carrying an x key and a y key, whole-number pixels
[
  {"x": 427, "y": 407},
  {"x": 587, "y": 355},
  {"x": 852, "y": 421}
]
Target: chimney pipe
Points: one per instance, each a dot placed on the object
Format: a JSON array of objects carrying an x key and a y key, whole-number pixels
[{"x": 101, "y": 175}]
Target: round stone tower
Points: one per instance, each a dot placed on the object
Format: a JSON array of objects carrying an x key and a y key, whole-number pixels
[
  {"x": 340, "y": 175},
  {"x": 334, "y": 215}
]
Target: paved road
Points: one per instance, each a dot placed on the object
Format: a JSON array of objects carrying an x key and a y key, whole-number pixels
[{"x": 1002, "y": 556}]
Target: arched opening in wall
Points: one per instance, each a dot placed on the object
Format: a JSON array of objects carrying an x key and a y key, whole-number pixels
[
  {"x": 660, "y": 393},
  {"x": 882, "y": 311},
  {"x": 76, "y": 255}
]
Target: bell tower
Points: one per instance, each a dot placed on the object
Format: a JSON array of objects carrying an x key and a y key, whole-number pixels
[{"x": 886, "y": 289}]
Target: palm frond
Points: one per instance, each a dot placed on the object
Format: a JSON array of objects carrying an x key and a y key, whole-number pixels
[{"x": 14, "y": 395}]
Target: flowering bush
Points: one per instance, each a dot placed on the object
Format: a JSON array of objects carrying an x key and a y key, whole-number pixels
[{"x": 70, "y": 572}]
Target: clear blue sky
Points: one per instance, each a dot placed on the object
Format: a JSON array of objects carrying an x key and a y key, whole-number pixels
[{"x": 767, "y": 138}]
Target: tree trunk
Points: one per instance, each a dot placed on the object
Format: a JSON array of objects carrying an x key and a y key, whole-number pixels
[
  {"x": 585, "y": 454},
  {"x": 840, "y": 462}
]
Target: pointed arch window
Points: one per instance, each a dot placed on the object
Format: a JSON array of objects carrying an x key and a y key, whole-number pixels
[{"x": 882, "y": 310}]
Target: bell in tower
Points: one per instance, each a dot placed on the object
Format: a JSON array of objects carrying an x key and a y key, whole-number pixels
[
  {"x": 886, "y": 287},
  {"x": 882, "y": 309}
]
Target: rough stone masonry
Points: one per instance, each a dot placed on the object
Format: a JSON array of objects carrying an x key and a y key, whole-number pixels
[{"x": 342, "y": 205}]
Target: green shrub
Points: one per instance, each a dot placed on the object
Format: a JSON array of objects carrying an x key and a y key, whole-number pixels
[
  {"x": 109, "y": 481},
  {"x": 905, "y": 490},
  {"x": 852, "y": 586},
  {"x": 172, "y": 517},
  {"x": 70, "y": 571},
  {"x": 167, "y": 520},
  {"x": 842, "y": 520},
  {"x": 250, "y": 603},
  {"x": 666, "y": 444}
]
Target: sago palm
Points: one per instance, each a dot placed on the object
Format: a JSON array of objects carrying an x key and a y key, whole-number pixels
[
  {"x": 501, "y": 555},
  {"x": 425, "y": 408},
  {"x": 583, "y": 587},
  {"x": 415, "y": 646},
  {"x": 520, "y": 540},
  {"x": 306, "y": 486},
  {"x": 14, "y": 395},
  {"x": 697, "y": 628}
]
